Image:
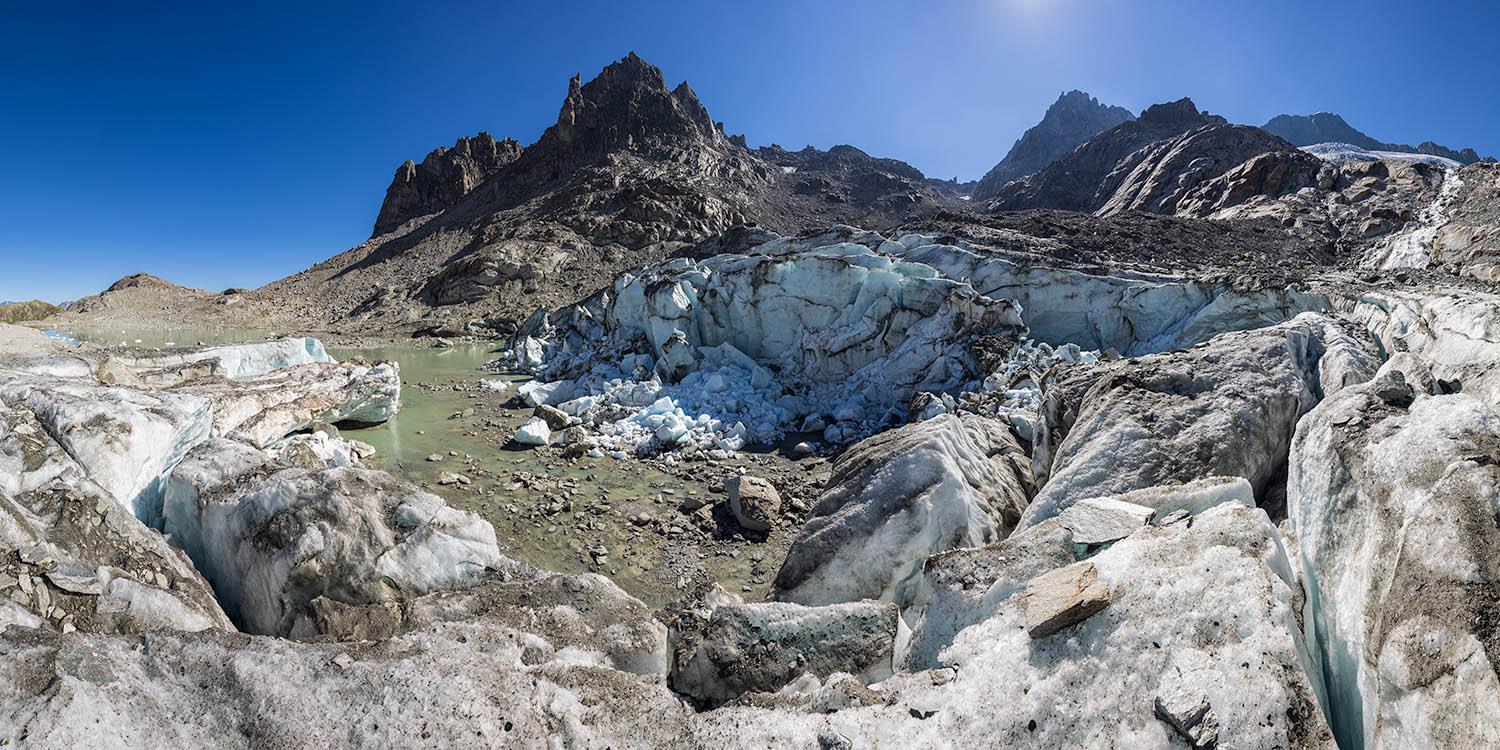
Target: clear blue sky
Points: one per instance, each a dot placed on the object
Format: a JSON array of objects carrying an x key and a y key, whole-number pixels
[{"x": 220, "y": 147}]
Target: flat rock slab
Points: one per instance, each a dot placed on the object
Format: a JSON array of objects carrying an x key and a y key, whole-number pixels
[
  {"x": 1064, "y": 597},
  {"x": 76, "y": 578},
  {"x": 1101, "y": 520}
]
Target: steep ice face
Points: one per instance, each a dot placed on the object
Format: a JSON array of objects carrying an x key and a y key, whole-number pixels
[
  {"x": 126, "y": 440},
  {"x": 1225, "y": 408},
  {"x": 821, "y": 315},
  {"x": 61, "y": 522},
  {"x": 899, "y": 497},
  {"x": 1395, "y": 510},
  {"x": 1132, "y": 314},
  {"x": 740, "y": 348},
  {"x": 272, "y": 542},
  {"x": 239, "y": 360}
]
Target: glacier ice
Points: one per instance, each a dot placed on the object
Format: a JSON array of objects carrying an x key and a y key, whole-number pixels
[
  {"x": 1395, "y": 513},
  {"x": 1225, "y": 408},
  {"x": 899, "y": 497}
]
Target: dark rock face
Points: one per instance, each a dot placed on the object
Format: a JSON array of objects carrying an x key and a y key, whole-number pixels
[
  {"x": 631, "y": 172},
  {"x": 443, "y": 178},
  {"x": 1326, "y": 127},
  {"x": 1074, "y": 118},
  {"x": 1077, "y": 180},
  {"x": 1206, "y": 169}
]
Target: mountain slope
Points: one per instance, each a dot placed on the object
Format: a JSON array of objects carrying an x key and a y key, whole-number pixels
[
  {"x": 1085, "y": 178},
  {"x": 631, "y": 171},
  {"x": 1074, "y": 118}
]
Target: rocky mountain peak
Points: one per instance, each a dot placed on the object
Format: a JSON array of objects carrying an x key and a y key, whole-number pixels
[
  {"x": 1179, "y": 113},
  {"x": 1074, "y": 118},
  {"x": 628, "y": 105},
  {"x": 443, "y": 177},
  {"x": 1082, "y": 179}
]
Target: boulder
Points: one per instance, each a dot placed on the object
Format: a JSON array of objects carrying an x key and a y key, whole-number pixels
[
  {"x": 556, "y": 420},
  {"x": 754, "y": 502},
  {"x": 1101, "y": 520},
  {"x": 1064, "y": 597}
]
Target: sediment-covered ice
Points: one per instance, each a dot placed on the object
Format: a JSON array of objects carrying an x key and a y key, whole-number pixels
[
  {"x": 237, "y": 360},
  {"x": 125, "y": 439},
  {"x": 1394, "y": 495},
  {"x": 1226, "y": 408},
  {"x": 1131, "y": 313},
  {"x": 897, "y": 498},
  {"x": 272, "y": 539},
  {"x": 262, "y": 409}
]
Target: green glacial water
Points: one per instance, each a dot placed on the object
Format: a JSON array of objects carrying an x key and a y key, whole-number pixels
[{"x": 550, "y": 512}]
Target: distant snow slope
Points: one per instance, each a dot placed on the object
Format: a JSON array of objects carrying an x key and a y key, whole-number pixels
[{"x": 1350, "y": 152}]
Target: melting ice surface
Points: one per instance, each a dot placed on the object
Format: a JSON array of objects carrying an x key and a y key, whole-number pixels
[
  {"x": 836, "y": 333},
  {"x": 63, "y": 337},
  {"x": 835, "y": 339}
]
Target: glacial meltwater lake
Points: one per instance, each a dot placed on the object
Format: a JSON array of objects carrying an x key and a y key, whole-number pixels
[{"x": 550, "y": 512}]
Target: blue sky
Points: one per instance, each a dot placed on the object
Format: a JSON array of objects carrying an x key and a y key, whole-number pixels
[{"x": 225, "y": 147}]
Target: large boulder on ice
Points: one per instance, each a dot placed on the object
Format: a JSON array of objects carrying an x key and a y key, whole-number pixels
[
  {"x": 273, "y": 540},
  {"x": 1224, "y": 408},
  {"x": 898, "y": 497},
  {"x": 266, "y": 408},
  {"x": 1396, "y": 510},
  {"x": 763, "y": 647},
  {"x": 73, "y": 557}
]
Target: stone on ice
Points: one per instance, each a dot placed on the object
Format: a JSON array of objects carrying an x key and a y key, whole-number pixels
[
  {"x": 76, "y": 578},
  {"x": 1100, "y": 520},
  {"x": 1182, "y": 703},
  {"x": 1063, "y": 598},
  {"x": 555, "y": 418},
  {"x": 1193, "y": 497}
]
